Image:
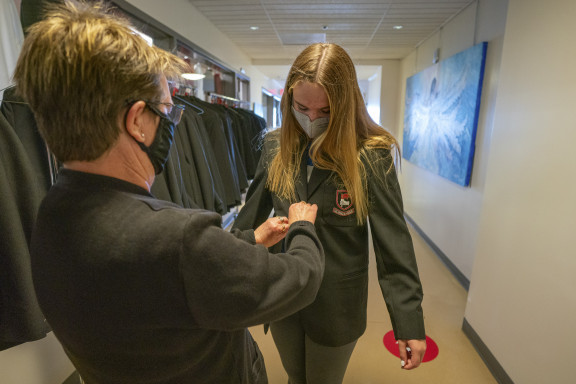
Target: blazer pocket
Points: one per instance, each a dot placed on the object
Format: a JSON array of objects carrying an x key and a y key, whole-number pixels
[{"x": 338, "y": 315}]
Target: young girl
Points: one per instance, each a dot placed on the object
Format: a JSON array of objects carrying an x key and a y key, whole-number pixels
[{"x": 330, "y": 152}]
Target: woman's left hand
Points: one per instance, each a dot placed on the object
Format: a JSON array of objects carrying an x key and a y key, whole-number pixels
[{"x": 271, "y": 231}]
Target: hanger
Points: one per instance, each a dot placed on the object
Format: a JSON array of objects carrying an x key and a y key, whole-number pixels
[{"x": 186, "y": 102}]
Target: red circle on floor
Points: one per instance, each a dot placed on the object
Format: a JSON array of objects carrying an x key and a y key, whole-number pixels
[{"x": 392, "y": 346}]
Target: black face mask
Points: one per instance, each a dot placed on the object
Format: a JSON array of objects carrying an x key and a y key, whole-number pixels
[{"x": 159, "y": 150}]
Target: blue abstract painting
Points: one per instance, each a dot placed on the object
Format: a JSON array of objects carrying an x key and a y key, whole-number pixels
[{"x": 441, "y": 115}]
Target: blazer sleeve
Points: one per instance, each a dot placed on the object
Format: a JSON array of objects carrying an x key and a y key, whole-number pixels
[
  {"x": 396, "y": 262},
  {"x": 258, "y": 204}
]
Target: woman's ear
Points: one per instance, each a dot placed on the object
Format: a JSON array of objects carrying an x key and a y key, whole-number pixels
[{"x": 135, "y": 120}]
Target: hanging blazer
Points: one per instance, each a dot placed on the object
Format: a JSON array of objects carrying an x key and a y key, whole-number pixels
[
  {"x": 21, "y": 191},
  {"x": 338, "y": 315},
  {"x": 220, "y": 146}
]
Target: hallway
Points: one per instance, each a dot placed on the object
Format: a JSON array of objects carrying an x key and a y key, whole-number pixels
[{"x": 371, "y": 363}]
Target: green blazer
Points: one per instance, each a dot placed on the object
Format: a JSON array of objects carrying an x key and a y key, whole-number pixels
[{"x": 338, "y": 315}]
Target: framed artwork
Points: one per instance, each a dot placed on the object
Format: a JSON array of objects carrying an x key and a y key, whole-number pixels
[{"x": 441, "y": 115}]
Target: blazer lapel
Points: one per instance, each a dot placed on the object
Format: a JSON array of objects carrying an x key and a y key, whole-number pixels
[
  {"x": 316, "y": 179},
  {"x": 302, "y": 183}
]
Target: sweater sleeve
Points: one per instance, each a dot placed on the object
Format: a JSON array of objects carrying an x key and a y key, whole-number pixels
[
  {"x": 232, "y": 284},
  {"x": 396, "y": 262}
]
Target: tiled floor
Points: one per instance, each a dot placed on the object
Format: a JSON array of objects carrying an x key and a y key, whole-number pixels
[{"x": 444, "y": 304}]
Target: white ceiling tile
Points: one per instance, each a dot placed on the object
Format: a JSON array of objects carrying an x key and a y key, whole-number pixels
[{"x": 362, "y": 26}]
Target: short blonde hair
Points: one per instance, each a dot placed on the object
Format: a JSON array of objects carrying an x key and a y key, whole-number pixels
[{"x": 78, "y": 68}]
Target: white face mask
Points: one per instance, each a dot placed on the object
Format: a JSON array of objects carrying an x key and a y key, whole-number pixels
[{"x": 312, "y": 128}]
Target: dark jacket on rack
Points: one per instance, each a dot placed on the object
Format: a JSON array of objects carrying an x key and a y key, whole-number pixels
[
  {"x": 235, "y": 155},
  {"x": 198, "y": 155},
  {"x": 252, "y": 127},
  {"x": 169, "y": 185},
  {"x": 221, "y": 148},
  {"x": 190, "y": 166},
  {"x": 23, "y": 184},
  {"x": 203, "y": 151}
]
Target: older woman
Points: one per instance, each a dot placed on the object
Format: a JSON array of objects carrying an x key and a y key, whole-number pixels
[
  {"x": 330, "y": 153},
  {"x": 136, "y": 289}
]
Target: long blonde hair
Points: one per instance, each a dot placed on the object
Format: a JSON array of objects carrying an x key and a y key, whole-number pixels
[{"x": 350, "y": 133}]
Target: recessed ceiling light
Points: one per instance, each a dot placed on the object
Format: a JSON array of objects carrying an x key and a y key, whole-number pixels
[
  {"x": 254, "y": 27},
  {"x": 398, "y": 27}
]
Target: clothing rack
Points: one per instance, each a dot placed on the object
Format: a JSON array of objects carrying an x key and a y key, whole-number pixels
[
  {"x": 182, "y": 89},
  {"x": 216, "y": 98},
  {"x": 199, "y": 110}
]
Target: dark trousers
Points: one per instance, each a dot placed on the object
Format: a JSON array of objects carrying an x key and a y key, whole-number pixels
[{"x": 305, "y": 361}]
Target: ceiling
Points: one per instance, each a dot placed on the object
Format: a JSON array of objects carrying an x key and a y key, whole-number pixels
[{"x": 365, "y": 28}]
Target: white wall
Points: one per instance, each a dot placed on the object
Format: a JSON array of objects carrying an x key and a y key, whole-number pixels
[
  {"x": 370, "y": 88},
  {"x": 449, "y": 214},
  {"x": 391, "y": 86},
  {"x": 373, "y": 95},
  {"x": 11, "y": 38},
  {"x": 522, "y": 299}
]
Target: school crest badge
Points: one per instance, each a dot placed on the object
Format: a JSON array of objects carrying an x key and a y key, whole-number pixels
[{"x": 344, "y": 206}]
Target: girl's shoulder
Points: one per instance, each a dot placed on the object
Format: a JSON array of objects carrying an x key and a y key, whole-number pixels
[
  {"x": 271, "y": 139},
  {"x": 376, "y": 155},
  {"x": 270, "y": 146},
  {"x": 380, "y": 165}
]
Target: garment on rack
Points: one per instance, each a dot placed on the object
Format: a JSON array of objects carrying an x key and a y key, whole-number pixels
[
  {"x": 201, "y": 158},
  {"x": 216, "y": 131},
  {"x": 248, "y": 129},
  {"x": 236, "y": 156},
  {"x": 239, "y": 132},
  {"x": 21, "y": 119},
  {"x": 22, "y": 188},
  {"x": 231, "y": 140},
  {"x": 169, "y": 184},
  {"x": 252, "y": 127}
]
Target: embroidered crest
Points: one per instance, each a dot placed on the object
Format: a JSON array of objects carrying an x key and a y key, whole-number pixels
[{"x": 343, "y": 203}]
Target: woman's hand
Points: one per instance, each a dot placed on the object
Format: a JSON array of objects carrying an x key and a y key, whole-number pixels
[
  {"x": 271, "y": 231},
  {"x": 302, "y": 211},
  {"x": 411, "y": 353},
  {"x": 275, "y": 228}
]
